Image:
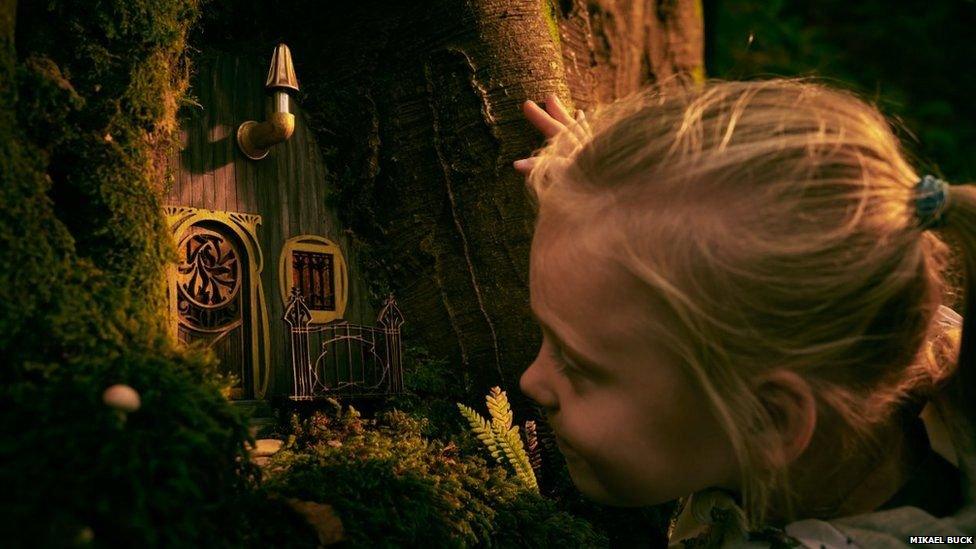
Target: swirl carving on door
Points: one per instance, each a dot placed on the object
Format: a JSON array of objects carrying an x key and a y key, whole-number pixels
[{"x": 210, "y": 299}]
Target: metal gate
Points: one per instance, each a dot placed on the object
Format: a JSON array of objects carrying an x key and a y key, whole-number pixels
[{"x": 344, "y": 359}]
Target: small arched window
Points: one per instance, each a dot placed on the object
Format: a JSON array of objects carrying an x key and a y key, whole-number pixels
[{"x": 315, "y": 266}]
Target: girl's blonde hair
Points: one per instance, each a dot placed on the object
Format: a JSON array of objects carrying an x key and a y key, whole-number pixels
[{"x": 774, "y": 223}]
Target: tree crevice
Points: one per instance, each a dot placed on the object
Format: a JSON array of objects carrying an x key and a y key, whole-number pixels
[{"x": 455, "y": 214}]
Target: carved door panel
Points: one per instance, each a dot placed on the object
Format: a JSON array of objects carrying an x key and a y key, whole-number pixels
[{"x": 212, "y": 299}]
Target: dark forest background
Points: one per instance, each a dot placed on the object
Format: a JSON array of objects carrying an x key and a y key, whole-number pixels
[{"x": 911, "y": 58}]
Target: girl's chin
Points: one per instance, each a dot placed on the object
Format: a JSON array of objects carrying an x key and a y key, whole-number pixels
[
  {"x": 599, "y": 494},
  {"x": 568, "y": 452},
  {"x": 615, "y": 496},
  {"x": 590, "y": 486},
  {"x": 587, "y": 483}
]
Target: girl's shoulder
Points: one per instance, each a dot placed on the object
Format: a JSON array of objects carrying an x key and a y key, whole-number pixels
[{"x": 929, "y": 509}]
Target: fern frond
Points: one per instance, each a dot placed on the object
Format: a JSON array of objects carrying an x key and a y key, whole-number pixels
[
  {"x": 499, "y": 408},
  {"x": 532, "y": 448},
  {"x": 482, "y": 430},
  {"x": 500, "y": 437},
  {"x": 474, "y": 418},
  {"x": 522, "y": 459},
  {"x": 511, "y": 444}
]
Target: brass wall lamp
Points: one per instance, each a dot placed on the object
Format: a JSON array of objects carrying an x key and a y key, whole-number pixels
[{"x": 256, "y": 138}]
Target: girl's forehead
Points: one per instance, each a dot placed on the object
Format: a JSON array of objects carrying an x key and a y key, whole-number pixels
[
  {"x": 576, "y": 289},
  {"x": 576, "y": 234}
]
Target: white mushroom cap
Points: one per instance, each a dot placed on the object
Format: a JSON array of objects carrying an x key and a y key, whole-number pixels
[{"x": 122, "y": 398}]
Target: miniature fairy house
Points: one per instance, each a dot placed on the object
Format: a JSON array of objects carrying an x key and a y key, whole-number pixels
[{"x": 249, "y": 231}]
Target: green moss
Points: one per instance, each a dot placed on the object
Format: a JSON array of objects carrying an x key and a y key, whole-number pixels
[
  {"x": 171, "y": 473},
  {"x": 551, "y": 17},
  {"x": 87, "y": 111},
  {"x": 100, "y": 88},
  {"x": 392, "y": 487}
]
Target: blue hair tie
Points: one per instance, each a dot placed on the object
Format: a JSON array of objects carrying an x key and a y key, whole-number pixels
[{"x": 931, "y": 202}]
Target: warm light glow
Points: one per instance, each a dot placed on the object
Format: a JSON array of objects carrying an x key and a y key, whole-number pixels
[{"x": 281, "y": 101}]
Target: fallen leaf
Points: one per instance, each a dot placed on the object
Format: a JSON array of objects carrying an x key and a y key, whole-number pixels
[{"x": 322, "y": 518}]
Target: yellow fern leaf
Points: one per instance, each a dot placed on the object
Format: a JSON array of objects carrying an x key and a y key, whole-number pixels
[
  {"x": 499, "y": 408},
  {"x": 511, "y": 444},
  {"x": 482, "y": 430},
  {"x": 500, "y": 437},
  {"x": 473, "y": 417}
]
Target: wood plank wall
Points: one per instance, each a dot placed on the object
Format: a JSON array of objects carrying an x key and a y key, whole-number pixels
[{"x": 287, "y": 188}]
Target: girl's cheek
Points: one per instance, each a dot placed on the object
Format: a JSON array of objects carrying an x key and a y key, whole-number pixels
[{"x": 584, "y": 424}]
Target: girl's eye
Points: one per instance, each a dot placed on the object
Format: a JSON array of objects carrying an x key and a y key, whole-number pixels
[{"x": 563, "y": 364}]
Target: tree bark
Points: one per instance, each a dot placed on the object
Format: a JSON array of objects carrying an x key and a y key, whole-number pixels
[{"x": 451, "y": 220}]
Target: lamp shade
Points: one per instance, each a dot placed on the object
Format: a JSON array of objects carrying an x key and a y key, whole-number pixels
[{"x": 281, "y": 75}]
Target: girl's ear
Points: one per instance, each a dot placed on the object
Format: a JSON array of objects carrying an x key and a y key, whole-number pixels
[{"x": 789, "y": 401}]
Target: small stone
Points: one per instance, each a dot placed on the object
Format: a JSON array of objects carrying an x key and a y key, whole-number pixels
[
  {"x": 266, "y": 447},
  {"x": 122, "y": 398}
]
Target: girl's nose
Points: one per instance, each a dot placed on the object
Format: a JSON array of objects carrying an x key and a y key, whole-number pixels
[{"x": 533, "y": 384}]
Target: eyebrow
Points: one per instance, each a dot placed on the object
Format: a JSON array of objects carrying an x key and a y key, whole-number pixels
[{"x": 578, "y": 359}]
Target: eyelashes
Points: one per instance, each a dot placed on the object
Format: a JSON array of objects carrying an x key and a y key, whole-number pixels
[
  {"x": 557, "y": 359},
  {"x": 563, "y": 365}
]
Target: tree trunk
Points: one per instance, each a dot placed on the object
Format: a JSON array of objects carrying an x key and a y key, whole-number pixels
[
  {"x": 454, "y": 212},
  {"x": 418, "y": 115}
]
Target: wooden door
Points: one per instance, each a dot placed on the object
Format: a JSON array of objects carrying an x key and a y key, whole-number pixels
[{"x": 212, "y": 300}]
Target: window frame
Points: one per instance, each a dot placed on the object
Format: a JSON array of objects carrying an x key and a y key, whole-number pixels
[{"x": 315, "y": 244}]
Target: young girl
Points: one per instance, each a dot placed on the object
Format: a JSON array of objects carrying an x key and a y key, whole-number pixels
[{"x": 740, "y": 297}]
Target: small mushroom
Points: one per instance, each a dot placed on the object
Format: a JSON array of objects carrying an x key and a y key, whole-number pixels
[
  {"x": 85, "y": 536},
  {"x": 121, "y": 397}
]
